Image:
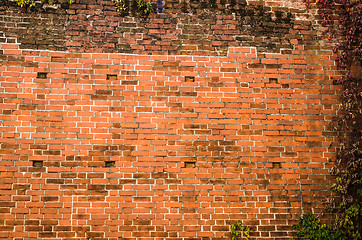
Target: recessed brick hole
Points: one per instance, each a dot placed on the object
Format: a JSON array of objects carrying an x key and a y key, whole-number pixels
[
  {"x": 285, "y": 85},
  {"x": 336, "y": 82},
  {"x": 37, "y": 163},
  {"x": 189, "y": 79},
  {"x": 111, "y": 77},
  {"x": 110, "y": 164},
  {"x": 276, "y": 164},
  {"x": 190, "y": 164},
  {"x": 273, "y": 80},
  {"x": 42, "y": 75},
  {"x": 8, "y": 111}
]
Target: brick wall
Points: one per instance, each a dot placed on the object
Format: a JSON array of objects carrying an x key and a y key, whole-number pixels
[
  {"x": 174, "y": 138},
  {"x": 195, "y": 28}
]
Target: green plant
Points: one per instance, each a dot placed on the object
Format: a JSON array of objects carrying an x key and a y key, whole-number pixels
[
  {"x": 25, "y": 3},
  {"x": 238, "y": 229},
  {"x": 31, "y": 3},
  {"x": 144, "y": 7},
  {"x": 310, "y": 228},
  {"x": 121, "y": 6}
]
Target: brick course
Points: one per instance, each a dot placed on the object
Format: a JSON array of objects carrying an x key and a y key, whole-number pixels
[{"x": 176, "y": 140}]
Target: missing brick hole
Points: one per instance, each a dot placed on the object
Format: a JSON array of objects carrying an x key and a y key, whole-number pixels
[
  {"x": 336, "y": 82},
  {"x": 42, "y": 75},
  {"x": 110, "y": 164},
  {"x": 276, "y": 164},
  {"x": 111, "y": 77},
  {"x": 273, "y": 80},
  {"x": 37, "y": 163},
  {"x": 285, "y": 85},
  {"x": 189, "y": 79},
  {"x": 190, "y": 164}
]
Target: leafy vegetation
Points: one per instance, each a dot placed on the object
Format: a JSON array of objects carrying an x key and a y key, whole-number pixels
[
  {"x": 142, "y": 7},
  {"x": 238, "y": 229},
  {"x": 310, "y": 228},
  {"x": 121, "y": 6},
  {"x": 31, "y": 3}
]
